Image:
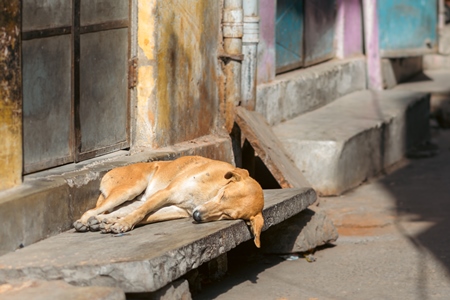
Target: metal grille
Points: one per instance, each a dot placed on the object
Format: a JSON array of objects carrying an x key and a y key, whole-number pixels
[{"x": 75, "y": 81}]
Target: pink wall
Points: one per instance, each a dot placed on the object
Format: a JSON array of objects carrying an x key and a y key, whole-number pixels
[
  {"x": 266, "y": 46},
  {"x": 353, "y": 38}
]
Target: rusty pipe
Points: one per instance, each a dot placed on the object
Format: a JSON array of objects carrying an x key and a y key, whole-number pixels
[
  {"x": 232, "y": 46},
  {"x": 250, "y": 42}
]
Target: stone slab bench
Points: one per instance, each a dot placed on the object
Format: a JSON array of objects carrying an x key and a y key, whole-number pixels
[
  {"x": 147, "y": 258},
  {"x": 354, "y": 138}
]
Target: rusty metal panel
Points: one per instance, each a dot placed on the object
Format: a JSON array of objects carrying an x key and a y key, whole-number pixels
[
  {"x": 407, "y": 27},
  {"x": 320, "y": 24},
  {"x": 289, "y": 34},
  {"x": 46, "y": 102},
  {"x": 99, "y": 11},
  {"x": 103, "y": 91},
  {"x": 40, "y": 14}
]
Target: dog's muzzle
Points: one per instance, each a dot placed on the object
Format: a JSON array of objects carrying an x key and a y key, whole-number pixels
[{"x": 197, "y": 216}]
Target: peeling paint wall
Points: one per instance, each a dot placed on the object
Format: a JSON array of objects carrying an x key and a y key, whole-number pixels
[
  {"x": 179, "y": 72},
  {"x": 10, "y": 95}
]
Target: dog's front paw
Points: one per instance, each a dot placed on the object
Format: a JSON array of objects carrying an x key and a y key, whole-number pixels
[
  {"x": 106, "y": 224},
  {"x": 80, "y": 226},
  {"x": 105, "y": 227},
  {"x": 121, "y": 226},
  {"x": 93, "y": 223}
]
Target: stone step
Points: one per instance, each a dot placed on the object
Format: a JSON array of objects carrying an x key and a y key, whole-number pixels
[
  {"x": 436, "y": 82},
  {"x": 297, "y": 92},
  {"x": 147, "y": 258},
  {"x": 355, "y": 137}
]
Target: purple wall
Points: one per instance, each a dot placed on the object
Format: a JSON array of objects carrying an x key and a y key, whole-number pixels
[
  {"x": 266, "y": 46},
  {"x": 353, "y": 30}
]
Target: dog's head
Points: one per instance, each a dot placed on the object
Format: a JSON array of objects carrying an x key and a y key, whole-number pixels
[{"x": 240, "y": 198}]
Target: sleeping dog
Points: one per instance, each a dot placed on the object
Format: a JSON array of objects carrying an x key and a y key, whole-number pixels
[{"x": 143, "y": 193}]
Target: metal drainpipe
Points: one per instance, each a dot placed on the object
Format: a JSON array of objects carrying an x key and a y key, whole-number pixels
[
  {"x": 250, "y": 42},
  {"x": 232, "y": 45}
]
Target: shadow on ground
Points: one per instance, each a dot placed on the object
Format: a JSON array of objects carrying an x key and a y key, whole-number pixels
[{"x": 422, "y": 194}]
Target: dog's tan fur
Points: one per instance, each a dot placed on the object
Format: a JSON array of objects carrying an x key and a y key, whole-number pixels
[{"x": 206, "y": 189}]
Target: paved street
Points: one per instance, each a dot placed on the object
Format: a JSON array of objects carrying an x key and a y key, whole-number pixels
[{"x": 394, "y": 243}]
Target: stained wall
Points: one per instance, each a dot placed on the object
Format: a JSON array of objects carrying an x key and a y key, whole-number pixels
[
  {"x": 179, "y": 73},
  {"x": 10, "y": 95}
]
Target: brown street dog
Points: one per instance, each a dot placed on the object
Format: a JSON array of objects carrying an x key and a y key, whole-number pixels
[{"x": 143, "y": 193}]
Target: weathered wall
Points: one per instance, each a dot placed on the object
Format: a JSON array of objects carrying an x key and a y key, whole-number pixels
[
  {"x": 266, "y": 46},
  {"x": 10, "y": 95},
  {"x": 349, "y": 30},
  {"x": 179, "y": 72}
]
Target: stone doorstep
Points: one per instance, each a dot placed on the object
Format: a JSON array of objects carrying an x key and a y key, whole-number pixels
[
  {"x": 147, "y": 258},
  {"x": 298, "y": 92},
  {"x": 354, "y": 138},
  {"x": 48, "y": 202}
]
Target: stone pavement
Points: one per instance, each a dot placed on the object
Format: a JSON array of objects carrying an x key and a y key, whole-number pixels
[{"x": 394, "y": 242}]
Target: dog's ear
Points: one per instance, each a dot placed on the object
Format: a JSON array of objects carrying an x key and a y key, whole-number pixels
[
  {"x": 256, "y": 224},
  {"x": 236, "y": 174}
]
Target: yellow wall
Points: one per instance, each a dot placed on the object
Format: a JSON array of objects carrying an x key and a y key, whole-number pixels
[
  {"x": 179, "y": 73},
  {"x": 10, "y": 95}
]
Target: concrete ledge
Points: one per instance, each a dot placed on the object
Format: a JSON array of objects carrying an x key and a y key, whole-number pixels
[
  {"x": 28, "y": 211},
  {"x": 147, "y": 258},
  {"x": 355, "y": 137},
  {"x": 303, "y": 232},
  {"x": 297, "y": 92}
]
